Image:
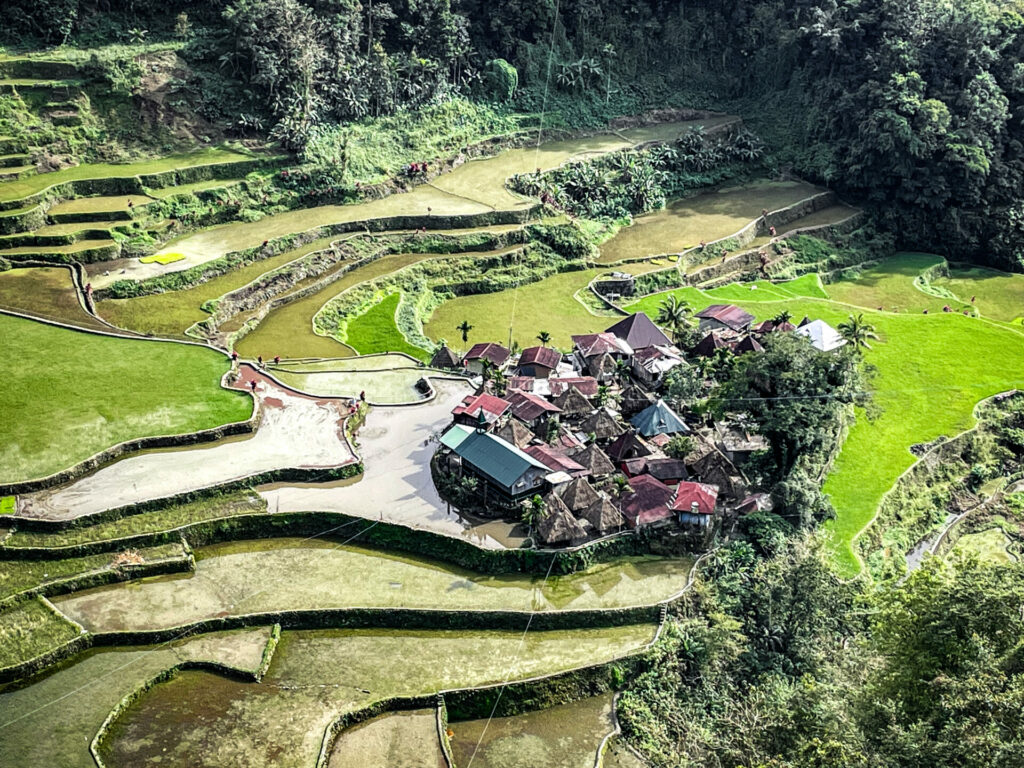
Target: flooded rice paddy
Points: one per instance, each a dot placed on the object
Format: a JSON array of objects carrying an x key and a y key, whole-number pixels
[
  {"x": 204, "y": 720},
  {"x": 395, "y": 740},
  {"x": 267, "y": 576},
  {"x": 385, "y": 379},
  {"x": 567, "y": 736},
  {"x": 47, "y": 293},
  {"x": 50, "y": 720}
]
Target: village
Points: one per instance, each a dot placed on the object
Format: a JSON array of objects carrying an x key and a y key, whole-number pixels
[{"x": 583, "y": 445}]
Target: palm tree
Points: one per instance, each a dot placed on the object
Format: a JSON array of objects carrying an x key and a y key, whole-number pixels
[
  {"x": 858, "y": 332},
  {"x": 534, "y": 511},
  {"x": 783, "y": 317},
  {"x": 673, "y": 314},
  {"x": 544, "y": 338},
  {"x": 465, "y": 327}
]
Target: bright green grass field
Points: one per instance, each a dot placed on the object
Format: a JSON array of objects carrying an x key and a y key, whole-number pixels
[
  {"x": 68, "y": 395},
  {"x": 998, "y": 295},
  {"x": 932, "y": 371},
  {"x": 375, "y": 331}
]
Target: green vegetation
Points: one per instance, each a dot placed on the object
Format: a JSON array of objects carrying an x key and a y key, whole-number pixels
[
  {"x": 996, "y": 294},
  {"x": 7, "y": 505},
  {"x": 989, "y": 546},
  {"x": 375, "y": 331},
  {"x": 30, "y": 628},
  {"x": 162, "y": 258},
  {"x": 72, "y": 394},
  {"x": 20, "y": 575},
  {"x": 913, "y": 373},
  {"x": 167, "y": 519}
]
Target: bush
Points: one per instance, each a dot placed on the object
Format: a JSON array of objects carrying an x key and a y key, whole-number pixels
[{"x": 501, "y": 80}]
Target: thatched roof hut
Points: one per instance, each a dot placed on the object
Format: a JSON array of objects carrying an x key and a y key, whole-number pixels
[
  {"x": 558, "y": 527},
  {"x": 602, "y": 424},
  {"x": 444, "y": 359},
  {"x": 604, "y": 516},
  {"x": 573, "y": 403},
  {"x": 594, "y": 459},
  {"x": 578, "y": 494},
  {"x": 633, "y": 400},
  {"x": 516, "y": 433}
]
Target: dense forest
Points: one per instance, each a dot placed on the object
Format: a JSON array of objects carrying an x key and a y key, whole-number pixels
[{"x": 913, "y": 107}]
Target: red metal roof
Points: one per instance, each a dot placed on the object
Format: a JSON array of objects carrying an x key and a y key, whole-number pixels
[
  {"x": 555, "y": 460},
  {"x": 493, "y": 407},
  {"x": 528, "y": 406},
  {"x": 593, "y": 344},
  {"x": 587, "y": 385},
  {"x": 648, "y": 503},
  {"x": 496, "y": 353},
  {"x": 705, "y": 496},
  {"x": 544, "y": 356},
  {"x": 728, "y": 314}
]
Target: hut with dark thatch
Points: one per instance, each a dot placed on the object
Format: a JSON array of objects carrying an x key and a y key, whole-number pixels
[
  {"x": 602, "y": 425},
  {"x": 633, "y": 400},
  {"x": 573, "y": 404},
  {"x": 603, "y": 516},
  {"x": 595, "y": 460},
  {"x": 516, "y": 433},
  {"x": 445, "y": 360},
  {"x": 558, "y": 527},
  {"x": 578, "y": 494}
]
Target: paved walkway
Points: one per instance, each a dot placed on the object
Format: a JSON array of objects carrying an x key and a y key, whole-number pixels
[
  {"x": 296, "y": 431},
  {"x": 396, "y": 444}
]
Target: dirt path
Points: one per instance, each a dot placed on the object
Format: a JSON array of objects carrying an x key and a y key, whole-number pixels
[
  {"x": 296, "y": 431},
  {"x": 396, "y": 445}
]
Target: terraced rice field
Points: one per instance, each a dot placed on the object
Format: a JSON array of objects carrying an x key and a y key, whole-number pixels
[
  {"x": 396, "y": 740},
  {"x": 71, "y": 395},
  {"x": 988, "y": 546},
  {"x": 13, "y": 190},
  {"x": 919, "y": 359},
  {"x": 205, "y": 720},
  {"x": 383, "y": 378},
  {"x": 45, "y": 292},
  {"x": 569, "y": 736},
  {"x": 711, "y": 216},
  {"x": 323, "y": 574},
  {"x": 71, "y": 703},
  {"x": 375, "y": 331}
]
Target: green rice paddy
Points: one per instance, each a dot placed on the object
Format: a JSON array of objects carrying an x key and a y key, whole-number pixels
[
  {"x": 45, "y": 292},
  {"x": 321, "y": 574},
  {"x": 30, "y": 628},
  {"x": 989, "y": 545},
  {"x": 921, "y": 360},
  {"x": 375, "y": 331},
  {"x": 998, "y": 295},
  {"x": 69, "y": 395}
]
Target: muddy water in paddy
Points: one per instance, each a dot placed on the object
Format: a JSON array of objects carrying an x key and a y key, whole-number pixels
[
  {"x": 684, "y": 223},
  {"x": 294, "y": 432},
  {"x": 50, "y": 721},
  {"x": 45, "y": 292},
  {"x": 567, "y": 736},
  {"x": 206, "y": 721},
  {"x": 324, "y": 574},
  {"x": 396, "y": 740},
  {"x": 477, "y": 186}
]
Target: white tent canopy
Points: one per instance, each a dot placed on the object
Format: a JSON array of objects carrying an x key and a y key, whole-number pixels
[{"x": 822, "y": 335}]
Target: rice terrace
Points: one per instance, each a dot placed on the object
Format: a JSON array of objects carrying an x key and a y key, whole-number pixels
[{"x": 451, "y": 384}]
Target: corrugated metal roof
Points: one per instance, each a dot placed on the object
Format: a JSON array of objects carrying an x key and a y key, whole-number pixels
[
  {"x": 492, "y": 456},
  {"x": 453, "y": 437}
]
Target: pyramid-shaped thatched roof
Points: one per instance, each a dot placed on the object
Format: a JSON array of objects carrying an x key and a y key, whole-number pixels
[
  {"x": 444, "y": 358},
  {"x": 573, "y": 403},
  {"x": 594, "y": 459},
  {"x": 627, "y": 446},
  {"x": 602, "y": 424},
  {"x": 749, "y": 344},
  {"x": 605, "y": 365},
  {"x": 633, "y": 400},
  {"x": 515, "y": 432},
  {"x": 578, "y": 494},
  {"x": 558, "y": 526},
  {"x": 707, "y": 346},
  {"x": 604, "y": 516}
]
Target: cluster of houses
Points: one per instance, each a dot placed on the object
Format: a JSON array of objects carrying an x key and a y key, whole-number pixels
[
  {"x": 726, "y": 326},
  {"x": 587, "y": 433}
]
